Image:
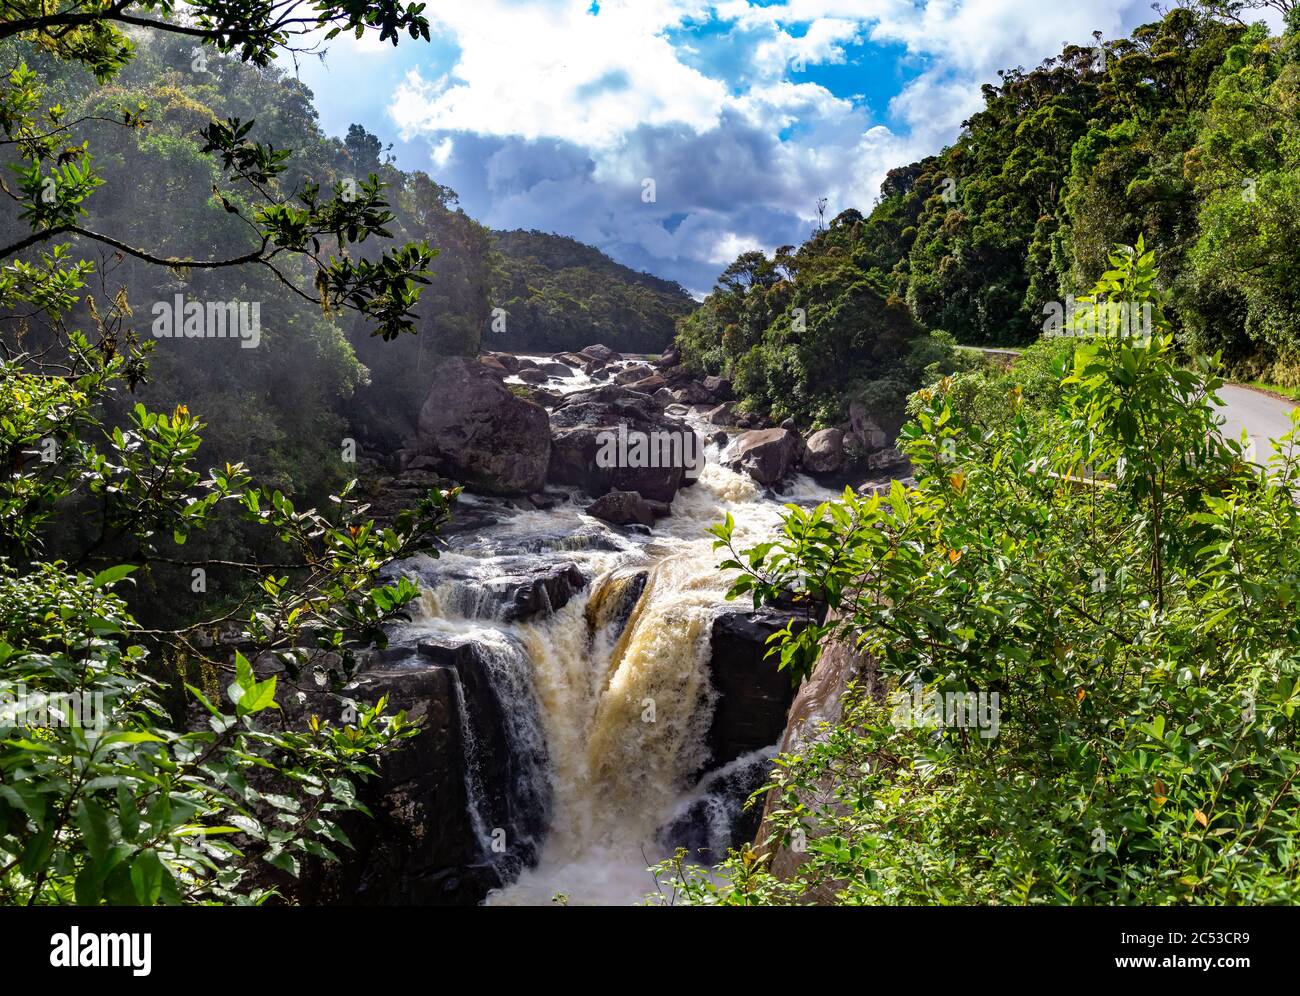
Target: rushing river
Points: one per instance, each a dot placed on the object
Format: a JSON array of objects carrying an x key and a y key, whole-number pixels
[{"x": 611, "y": 693}]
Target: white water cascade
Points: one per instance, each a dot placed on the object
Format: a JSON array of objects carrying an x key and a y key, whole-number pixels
[{"x": 611, "y": 693}]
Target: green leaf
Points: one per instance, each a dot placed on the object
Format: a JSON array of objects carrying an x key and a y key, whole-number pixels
[{"x": 112, "y": 575}]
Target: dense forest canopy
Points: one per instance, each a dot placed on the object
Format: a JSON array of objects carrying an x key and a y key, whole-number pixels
[{"x": 559, "y": 294}]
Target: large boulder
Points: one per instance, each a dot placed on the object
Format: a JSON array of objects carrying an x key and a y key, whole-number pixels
[
  {"x": 824, "y": 451},
  {"x": 475, "y": 430},
  {"x": 637, "y": 371},
  {"x": 532, "y": 375},
  {"x": 518, "y": 593},
  {"x": 554, "y": 368},
  {"x": 693, "y": 393},
  {"x": 602, "y": 353},
  {"x": 494, "y": 364},
  {"x": 587, "y": 426},
  {"x": 766, "y": 455},
  {"x": 622, "y": 508},
  {"x": 648, "y": 385}
]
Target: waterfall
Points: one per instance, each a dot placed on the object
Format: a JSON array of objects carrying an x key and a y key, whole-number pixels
[{"x": 606, "y": 699}]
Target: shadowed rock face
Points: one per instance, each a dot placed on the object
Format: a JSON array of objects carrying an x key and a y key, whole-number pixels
[
  {"x": 474, "y": 430},
  {"x": 753, "y": 695},
  {"x": 714, "y": 818},
  {"x": 579, "y": 427},
  {"x": 423, "y": 846}
]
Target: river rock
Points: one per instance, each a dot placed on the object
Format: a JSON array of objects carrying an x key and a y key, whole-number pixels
[
  {"x": 648, "y": 385},
  {"x": 824, "y": 451},
  {"x": 553, "y": 369},
  {"x": 508, "y": 360},
  {"x": 532, "y": 375},
  {"x": 719, "y": 388},
  {"x": 693, "y": 393},
  {"x": 713, "y": 819},
  {"x": 723, "y": 414},
  {"x": 521, "y": 592},
  {"x": 638, "y": 371},
  {"x": 585, "y": 420},
  {"x": 421, "y": 847},
  {"x": 671, "y": 357},
  {"x": 600, "y": 352},
  {"x": 621, "y": 508},
  {"x": 766, "y": 455},
  {"x": 479, "y": 433},
  {"x": 494, "y": 364}
]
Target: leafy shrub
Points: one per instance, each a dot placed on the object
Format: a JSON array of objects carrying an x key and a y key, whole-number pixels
[{"x": 1123, "y": 578}]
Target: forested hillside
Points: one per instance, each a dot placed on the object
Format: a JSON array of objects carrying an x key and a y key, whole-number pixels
[
  {"x": 1184, "y": 133},
  {"x": 561, "y": 294}
]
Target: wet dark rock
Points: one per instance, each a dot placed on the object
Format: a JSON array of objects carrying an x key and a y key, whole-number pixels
[
  {"x": 600, "y": 352},
  {"x": 421, "y": 847},
  {"x": 612, "y": 602},
  {"x": 532, "y": 375},
  {"x": 621, "y": 508},
  {"x": 714, "y": 818},
  {"x": 525, "y": 590},
  {"x": 753, "y": 695}
]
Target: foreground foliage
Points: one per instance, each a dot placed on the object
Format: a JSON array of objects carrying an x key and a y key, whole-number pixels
[
  {"x": 170, "y": 762},
  {"x": 1124, "y": 579}
]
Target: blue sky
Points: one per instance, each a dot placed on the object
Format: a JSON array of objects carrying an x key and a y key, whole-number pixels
[{"x": 556, "y": 115}]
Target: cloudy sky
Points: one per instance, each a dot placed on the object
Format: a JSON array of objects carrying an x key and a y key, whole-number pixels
[{"x": 554, "y": 114}]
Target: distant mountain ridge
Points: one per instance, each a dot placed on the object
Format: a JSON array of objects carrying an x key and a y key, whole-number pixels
[{"x": 559, "y": 294}]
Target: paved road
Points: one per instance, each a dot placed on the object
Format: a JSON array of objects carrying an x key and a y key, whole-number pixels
[{"x": 1263, "y": 416}]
